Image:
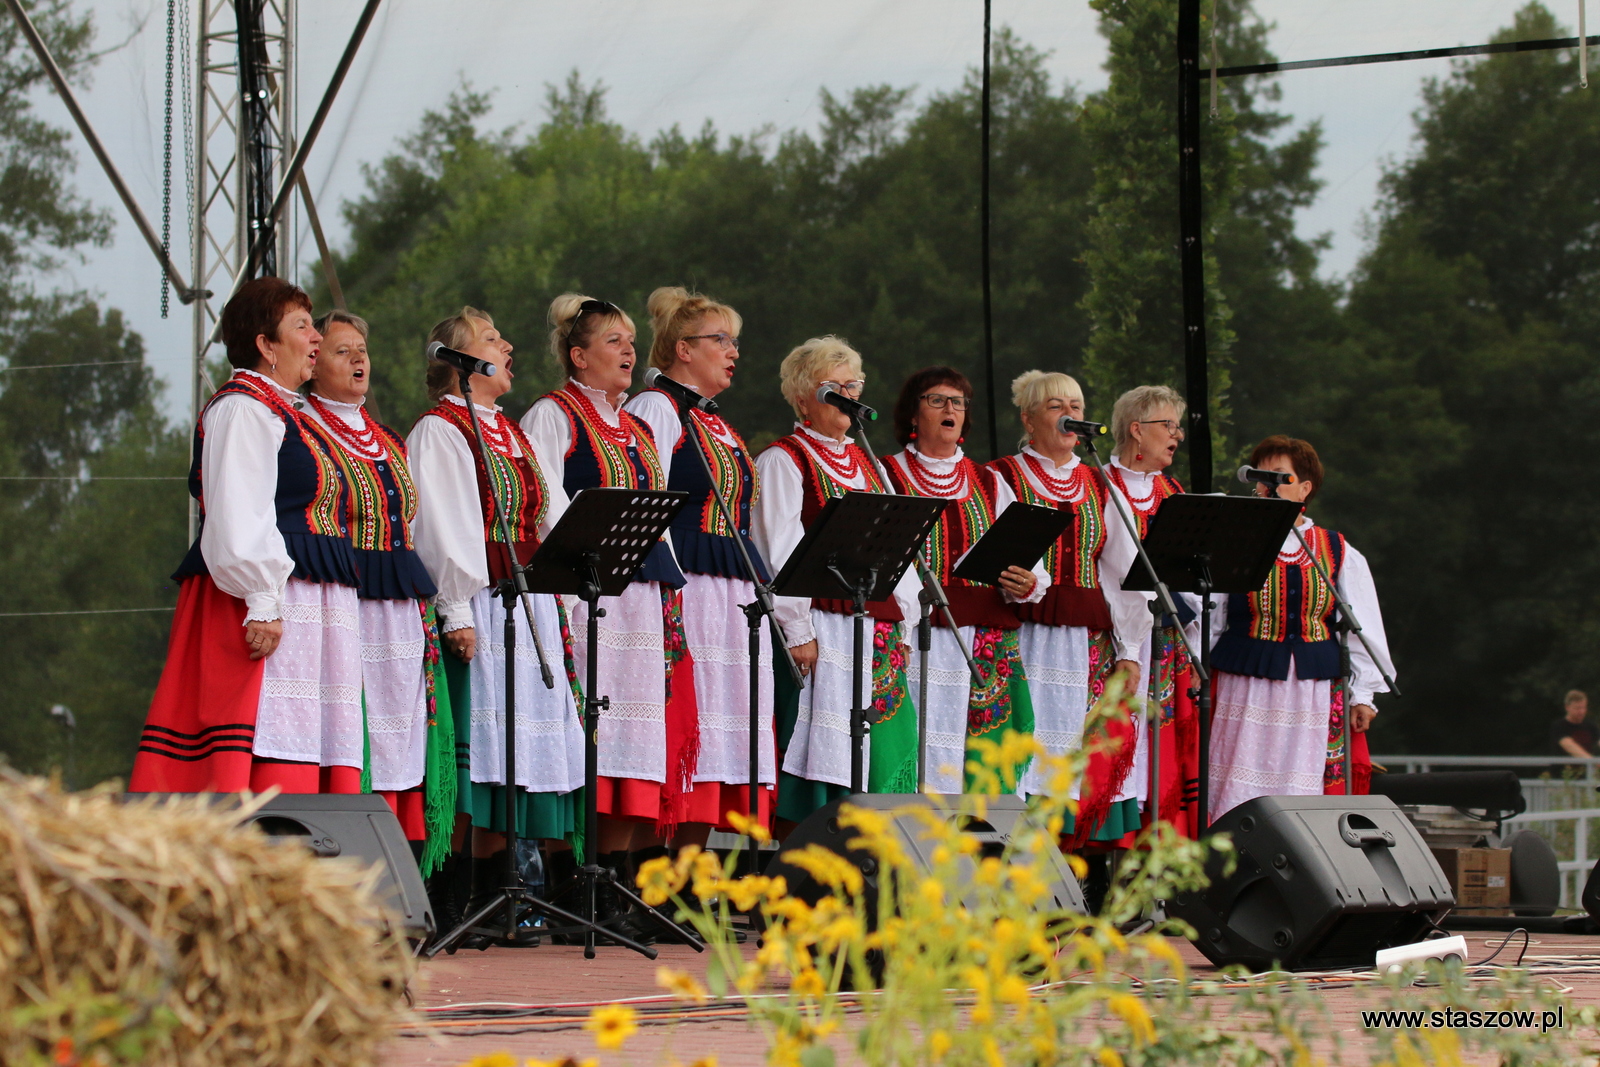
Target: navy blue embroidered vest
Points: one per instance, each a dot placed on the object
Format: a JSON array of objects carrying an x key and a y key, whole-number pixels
[
  {"x": 1289, "y": 617},
  {"x": 700, "y": 534},
  {"x": 312, "y": 500},
  {"x": 596, "y": 460}
]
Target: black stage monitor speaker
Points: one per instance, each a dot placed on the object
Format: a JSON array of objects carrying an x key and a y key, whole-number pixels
[
  {"x": 1498, "y": 794},
  {"x": 1321, "y": 883},
  {"x": 993, "y": 833},
  {"x": 1535, "y": 875},
  {"x": 355, "y": 826}
]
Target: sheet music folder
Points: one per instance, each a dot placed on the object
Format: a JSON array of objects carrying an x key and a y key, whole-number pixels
[
  {"x": 854, "y": 533},
  {"x": 1019, "y": 538},
  {"x": 621, "y": 526},
  {"x": 1239, "y": 535}
]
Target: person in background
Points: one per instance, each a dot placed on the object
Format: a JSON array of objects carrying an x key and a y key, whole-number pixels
[
  {"x": 1278, "y": 724},
  {"x": 799, "y": 474},
  {"x": 262, "y": 684},
  {"x": 931, "y": 420},
  {"x": 1147, "y": 426},
  {"x": 585, "y": 440},
  {"x": 696, "y": 343},
  {"x": 1066, "y": 638},
  {"x": 460, "y": 539},
  {"x": 408, "y": 739},
  {"x": 1573, "y": 734}
]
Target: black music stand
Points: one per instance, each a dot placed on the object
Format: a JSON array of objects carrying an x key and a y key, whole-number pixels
[
  {"x": 1211, "y": 544},
  {"x": 857, "y": 550},
  {"x": 595, "y": 550}
]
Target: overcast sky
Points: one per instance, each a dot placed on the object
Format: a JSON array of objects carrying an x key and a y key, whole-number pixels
[{"x": 743, "y": 64}]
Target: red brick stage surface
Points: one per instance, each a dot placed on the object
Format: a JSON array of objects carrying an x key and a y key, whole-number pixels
[{"x": 555, "y": 975}]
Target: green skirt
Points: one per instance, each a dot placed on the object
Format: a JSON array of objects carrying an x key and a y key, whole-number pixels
[
  {"x": 1124, "y": 817},
  {"x": 553, "y": 815},
  {"x": 892, "y": 756}
]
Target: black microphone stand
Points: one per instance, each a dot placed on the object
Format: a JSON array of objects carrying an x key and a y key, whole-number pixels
[
  {"x": 932, "y": 598},
  {"x": 1346, "y": 623},
  {"x": 762, "y": 607},
  {"x": 512, "y": 897}
]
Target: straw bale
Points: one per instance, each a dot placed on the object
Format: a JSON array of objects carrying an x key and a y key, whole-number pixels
[{"x": 163, "y": 933}]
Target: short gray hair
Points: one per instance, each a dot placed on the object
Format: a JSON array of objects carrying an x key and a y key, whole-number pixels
[
  {"x": 1136, "y": 405},
  {"x": 336, "y": 316}
]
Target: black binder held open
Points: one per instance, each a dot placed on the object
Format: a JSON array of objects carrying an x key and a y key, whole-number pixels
[{"x": 1019, "y": 538}]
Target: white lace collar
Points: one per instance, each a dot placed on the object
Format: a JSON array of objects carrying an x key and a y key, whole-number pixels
[
  {"x": 288, "y": 394},
  {"x": 938, "y": 466},
  {"x": 456, "y": 400},
  {"x": 1050, "y": 465},
  {"x": 601, "y": 402}
]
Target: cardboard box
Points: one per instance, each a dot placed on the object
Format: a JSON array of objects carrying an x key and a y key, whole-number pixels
[{"x": 1480, "y": 878}]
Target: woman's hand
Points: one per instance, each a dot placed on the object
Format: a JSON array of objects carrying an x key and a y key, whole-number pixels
[
  {"x": 1361, "y": 717},
  {"x": 1018, "y": 582},
  {"x": 805, "y": 657},
  {"x": 463, "y": 643},
  {"x": 1130, "y": 671},
  {"x": 262, "y": 638}
]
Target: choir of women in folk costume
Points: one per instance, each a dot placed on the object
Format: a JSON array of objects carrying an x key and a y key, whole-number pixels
[
  {"x": 931, "y": 419},
  {"x": 262, "y": 684},
  {"x": 695, "y": 342},
  {"x": 799, "y": 474},
  {"x": 410, "y": 736},
  {"x": 1066, "y": 638},
  {"x": 1278, "y": 727},
  {"x": 1146, "y": 424},
  {"x": 584, "y": 438},
  {"x": 460, "y": 539}
]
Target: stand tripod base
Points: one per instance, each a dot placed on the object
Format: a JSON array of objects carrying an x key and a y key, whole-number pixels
[
  {"x": 515, "y": 903},
  {"x": 590, "y": 878}
]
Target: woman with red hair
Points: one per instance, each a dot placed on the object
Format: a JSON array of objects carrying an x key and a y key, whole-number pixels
[
  {"x": 1278, "y": 727},
  {"x": 262, "y": 685}
]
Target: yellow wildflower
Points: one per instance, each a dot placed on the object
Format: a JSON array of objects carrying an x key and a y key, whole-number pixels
[
  {"x": 1161, "y": 949},
  {"x": 1012, "y": 990},
  {"x": 808, "y": 983},
  {"x": 611, "y": 1025},
  {"x": 1079, "y": 865},
  {"x": 493, "y": 1059},
  {"x": 1108, "y": 1057},
  {"x": 681, "y": 984},
  {"x": 1132, "y": 1012},
  {"x": 938, "y": 1044},
  {"x": 658, "y": 880},
  {"x": 753, "y": 828},
  {"x": 827, "y": 867}
]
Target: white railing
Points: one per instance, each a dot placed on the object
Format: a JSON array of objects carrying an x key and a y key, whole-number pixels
[{"x": 1557, "y": 807}]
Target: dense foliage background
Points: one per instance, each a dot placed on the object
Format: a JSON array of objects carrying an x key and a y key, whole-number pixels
[{"x": 1450, "y": 382}]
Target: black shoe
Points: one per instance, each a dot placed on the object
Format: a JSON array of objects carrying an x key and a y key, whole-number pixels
[{"x": 449, "y": 890}]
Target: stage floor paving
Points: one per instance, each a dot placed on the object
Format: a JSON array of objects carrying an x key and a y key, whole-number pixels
[{"x": 558, "y": 974}]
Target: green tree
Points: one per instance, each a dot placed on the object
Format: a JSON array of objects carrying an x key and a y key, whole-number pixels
[
  {"x": 76, "y": 543},
  {"x": 1456, "y": 406},
  {"x": 1262, "y": 294}
]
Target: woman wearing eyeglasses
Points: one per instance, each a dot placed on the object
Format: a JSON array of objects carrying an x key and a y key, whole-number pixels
[
  {"x": 1066, "y": 638},
  {"x": 931, "y": 419},
  {"x": 1146, "y": 424},
  {"x": 696, "y": 343},
  {"x": 581, "y": 431},
  {"x": 799, "y": 474},
  {"x": 1278, "y": 729}
]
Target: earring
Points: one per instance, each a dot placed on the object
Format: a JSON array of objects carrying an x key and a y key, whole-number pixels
[
  {"x": 961, "y": 440},
  {"x": 1138, "y": 457},
  {"x": 808, "y": 422},
  {"x": 913, "y": 434}
]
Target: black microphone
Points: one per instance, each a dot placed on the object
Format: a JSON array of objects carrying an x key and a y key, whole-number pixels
[
  {"x": 681, "y": 394},
  {"x": 1080, "y": 427},
  {"x": 460, "y": 360},
  {"x": 829, "y": 393},
  {"x": 1248, "y": 474}
]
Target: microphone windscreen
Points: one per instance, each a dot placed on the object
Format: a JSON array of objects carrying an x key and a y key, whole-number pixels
[
  {"x": 433, "y": 349},
  {"x": 1244, "y": 473}
]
